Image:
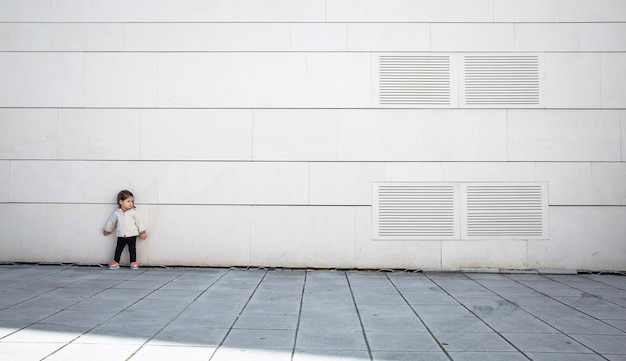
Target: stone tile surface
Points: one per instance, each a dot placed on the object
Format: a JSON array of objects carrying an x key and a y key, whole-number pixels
[{"x": 58, "y": 312}]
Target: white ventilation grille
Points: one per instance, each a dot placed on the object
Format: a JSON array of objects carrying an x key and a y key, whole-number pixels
[
  {"x": 414, "y": 80},
  {"x": 455, "y": 211},
  {"x": 415, "y": 211},
  {"x": 502, "y": 80},
  {"x": 515, "y": 211}
]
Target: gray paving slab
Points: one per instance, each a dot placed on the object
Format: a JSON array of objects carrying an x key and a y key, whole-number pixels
[
  {"x": 407, "y": 356},
  {"x": 205, "y": 318},
  {"x": 324, "y": 320},
  {"x": 428, "y": 296},
  {"x": 331, "y": 355},
  {"x": 96, "y": 352},
  {"x": 474, "y": 342},
  {"x": 63, "y": 312},
  {"x": 488, "y": 356},
  {"x": 554, "y": 343},
  {"x": 618, "y": 325},
  {"x": 431, "y": 312},
  {"x": 185, "y": 335},
  {"x": 263, "y": 307},
  {"x": 230, "y": 354},
  {"x": 260, "y": 339},
  {"x": 604, "y": 344},
  {"x": 170, "y": 352},
  {"x": 330, "y": 339},
  {"x": 521, "y": 323},
  {"x": 46, "y": 333},
  {"x": 401, "y": 341},
  {"x": 267, "y": 322},
  {"x": 457, "y": 325},
  {"x": 28, "y": 351},
  {"x": 392, "y": 322},
  {"x": 564, "y": 357}
]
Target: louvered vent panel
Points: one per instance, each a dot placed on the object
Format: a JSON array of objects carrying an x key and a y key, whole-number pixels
[
  {"x": 505, "y": 211},
  {"x": 415, "y": 211},
  {"x": 502, "y": 80},
  {"x": 414, "y": 80},
  {"x": 459, "y": 211}
]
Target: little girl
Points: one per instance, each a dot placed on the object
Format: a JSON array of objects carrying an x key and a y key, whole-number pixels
[{"x": 128, "y": 225}]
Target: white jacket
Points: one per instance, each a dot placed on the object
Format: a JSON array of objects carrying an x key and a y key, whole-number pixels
[{"x": 126, "y": 224}]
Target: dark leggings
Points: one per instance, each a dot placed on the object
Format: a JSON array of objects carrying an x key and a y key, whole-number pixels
[{"x": 121, "y": 243}]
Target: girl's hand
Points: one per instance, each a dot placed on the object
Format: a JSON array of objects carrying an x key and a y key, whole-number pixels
[
  {"x": 143, "y": 235},
  {"x": 105, "y": 232}
]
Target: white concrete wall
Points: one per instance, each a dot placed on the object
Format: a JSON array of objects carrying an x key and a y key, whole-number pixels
[{"x": 250, "y": 131}]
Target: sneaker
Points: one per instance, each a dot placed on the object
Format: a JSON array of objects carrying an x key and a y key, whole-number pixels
[
  {"x": 134, "y": 265},
  {"x": 114, "y": 265}
]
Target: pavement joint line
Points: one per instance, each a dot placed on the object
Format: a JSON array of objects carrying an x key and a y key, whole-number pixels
[
  {"x": 135, "y": 275},
  {"x": 430, "y": 332},
  {"x": 295, "y": 339},
  {"x": 586, "y": 276},
  {"x": 480, "y": 318},
  {"x": 61, "y": 310},
  {"x": 587, "y": 293},
  {"x": 179, "y": 313},
  {"x": 356, "y": 307},
  {"x": 239, "y": 314},
  {"x": 566, "y": 305}
]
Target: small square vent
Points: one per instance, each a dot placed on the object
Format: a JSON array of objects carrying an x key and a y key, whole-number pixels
[{"x": 459, "y": 211}]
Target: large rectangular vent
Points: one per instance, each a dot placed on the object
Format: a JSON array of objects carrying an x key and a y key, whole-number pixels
[
  {"x": 505, "y": 210},
  {"x": 502, "y": 80},
  {"x": 414, "y": 80},
  {"x": 455, "y": 211},
  {"x": 415, "y": 211}
]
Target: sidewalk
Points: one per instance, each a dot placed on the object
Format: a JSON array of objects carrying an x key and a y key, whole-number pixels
[{"x": 72, "y": 312}]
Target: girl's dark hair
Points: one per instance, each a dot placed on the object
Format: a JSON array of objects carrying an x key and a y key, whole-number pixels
[{"x": 123, "y": 194}]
